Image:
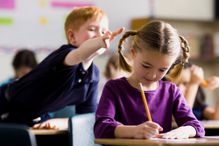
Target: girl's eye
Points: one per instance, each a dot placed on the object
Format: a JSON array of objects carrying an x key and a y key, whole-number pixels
[
  {"x": 145, "y": 66},
  {"x": 162, "y": 70}
]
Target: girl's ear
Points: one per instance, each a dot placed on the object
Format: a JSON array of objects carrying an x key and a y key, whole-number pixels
[{"x": 71, "y": 37}]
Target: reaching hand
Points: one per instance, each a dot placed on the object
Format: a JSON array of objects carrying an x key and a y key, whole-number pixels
[
  {"x": 147, "y": 130},
  {"x": 109, "y": 36}
]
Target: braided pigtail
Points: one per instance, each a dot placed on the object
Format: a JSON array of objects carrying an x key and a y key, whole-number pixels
[
  {"x": 176, "y": 70},
  {"x": 122, "y": 61},
  {"x": 186, "y": 49}
]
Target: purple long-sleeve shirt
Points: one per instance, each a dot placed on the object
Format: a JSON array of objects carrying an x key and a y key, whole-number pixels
[{"x": 121, "y": 103}]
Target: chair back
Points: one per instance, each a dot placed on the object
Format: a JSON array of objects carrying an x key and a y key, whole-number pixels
[
  {"x": 66, "y": 112},
  {"x": 16, "y": 135},
  {"x": 81, "y": 130}
]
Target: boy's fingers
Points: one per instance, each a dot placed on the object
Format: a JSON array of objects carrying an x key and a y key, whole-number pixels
[
  {"x": 117, "y": 32},
  {"x": 36, "y": 126},
  {"x": 120, "y": 30},
  {"x": 107, "y": 35}
]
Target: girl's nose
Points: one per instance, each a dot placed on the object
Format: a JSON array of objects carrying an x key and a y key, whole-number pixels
[{"x": 152, "y": 75}]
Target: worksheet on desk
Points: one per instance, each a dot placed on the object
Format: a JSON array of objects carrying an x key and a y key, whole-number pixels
[{"x": 189, "y": 140}]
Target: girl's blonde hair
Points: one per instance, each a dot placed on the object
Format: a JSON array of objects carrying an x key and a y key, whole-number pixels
[
  {"x": 159, "y": 36},
  {"x": 79, "y": 16}
]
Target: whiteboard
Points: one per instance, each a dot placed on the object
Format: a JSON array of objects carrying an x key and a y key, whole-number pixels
[{"x": 37, "y": 24}]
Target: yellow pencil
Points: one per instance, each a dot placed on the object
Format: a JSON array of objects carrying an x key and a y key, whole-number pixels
[
  {"x": 204, "y": 84},
  {"x": 145, "y": 102}
]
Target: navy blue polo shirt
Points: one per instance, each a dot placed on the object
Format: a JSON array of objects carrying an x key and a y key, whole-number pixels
[{"x": 52, "y": 86}]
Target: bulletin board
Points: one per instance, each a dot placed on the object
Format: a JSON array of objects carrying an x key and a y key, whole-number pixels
[{"x": 36, "y": 24}]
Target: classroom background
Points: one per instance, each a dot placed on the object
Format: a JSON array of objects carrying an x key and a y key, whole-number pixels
[{"x": 39, "y": 25}]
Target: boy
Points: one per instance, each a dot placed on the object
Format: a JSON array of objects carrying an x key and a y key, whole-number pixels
[{"x": 66, "y": 77}]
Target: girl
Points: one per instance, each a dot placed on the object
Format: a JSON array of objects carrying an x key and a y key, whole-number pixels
[
  {"x": 112, "y": 70},
  {"x": 121, "y": 112},
  {"x": 191, "y": 84}
]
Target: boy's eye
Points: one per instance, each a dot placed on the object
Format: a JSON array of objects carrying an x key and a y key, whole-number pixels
[
  {"x": 104, "y": 31},
  {"x": 91, "y": 29}
]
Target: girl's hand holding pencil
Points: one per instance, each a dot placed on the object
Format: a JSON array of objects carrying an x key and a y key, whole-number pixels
[{"x": 148, "y": 129}]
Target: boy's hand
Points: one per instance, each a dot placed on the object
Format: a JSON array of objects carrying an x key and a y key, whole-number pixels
[
  {"x": 57, "y": 123},
  {"x": 147, "y": 130},
  {"x": 109, "y": 36}
]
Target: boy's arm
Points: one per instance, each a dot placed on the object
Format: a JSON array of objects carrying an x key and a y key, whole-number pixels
[
  {"x": 84, "y": 51},
  {"x": 90, "y": 49}
]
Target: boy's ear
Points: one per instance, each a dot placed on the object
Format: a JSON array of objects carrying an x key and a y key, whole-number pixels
[{"x": 71, "y": 37}]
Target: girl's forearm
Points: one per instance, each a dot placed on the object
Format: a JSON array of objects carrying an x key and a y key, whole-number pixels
[
  {"x": 190, "y": 94},
  {"x": 123, "y": 131}
]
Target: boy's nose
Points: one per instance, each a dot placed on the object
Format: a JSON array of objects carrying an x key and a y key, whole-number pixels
[{"x": 99, "y": 33}]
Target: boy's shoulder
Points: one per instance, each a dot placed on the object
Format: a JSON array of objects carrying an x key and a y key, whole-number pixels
[{"x": 66, "y": 47}]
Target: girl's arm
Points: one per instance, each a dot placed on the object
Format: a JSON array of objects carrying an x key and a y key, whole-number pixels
[
  {"x": 211, "y": 113},
  {"x": 197, "y": 76}
]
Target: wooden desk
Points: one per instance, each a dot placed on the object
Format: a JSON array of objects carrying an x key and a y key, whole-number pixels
[
  {"x": 208, "y": 141},
  {"x": 211, "y": 127},
  {"x": 50, "y": 137},
  {"x": 211, "y": 124},
  {"x": 48, "y": 131}
]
